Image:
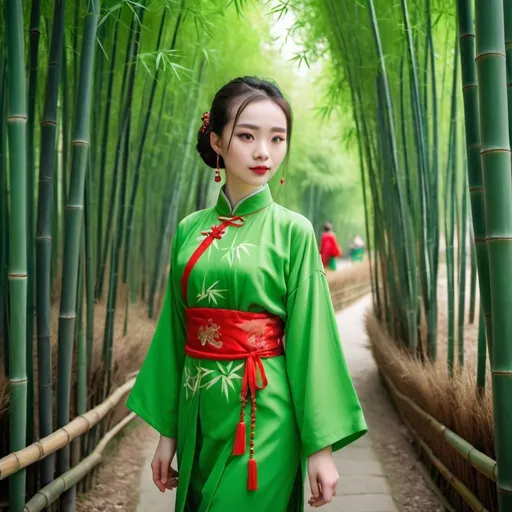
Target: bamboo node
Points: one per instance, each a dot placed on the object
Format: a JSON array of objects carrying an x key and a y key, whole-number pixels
[
  {"x": 40, "y": 448},
  {"x": 79, "y": 142},
  {"x": 502, "y": 372},
  {"x": 16, "y": 276},
  {"x": 495, "y": 150},
  {"x": 17, "y": 117},
  {"x": 489, "y": 54}
]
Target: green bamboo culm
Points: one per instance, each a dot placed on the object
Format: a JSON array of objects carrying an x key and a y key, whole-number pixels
[
  {"x": 507, "y": 6},
  {"x": 482, "y": 355},
  {"x": 496, "y": 165},
  {"x": 17, "y": 274},
  {"x": 4, "y": 226},
  {"x": 462, "y": 273},
  {"x": 404, "y": 220},
  {"x": 474, "y": 162},
  {"x": 73, "y": 229},
  {"x": 32, "y": 92},
  {"x": 44, "y": 236}
]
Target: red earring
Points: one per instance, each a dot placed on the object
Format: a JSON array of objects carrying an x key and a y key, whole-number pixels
[
  {"x": 217, "y": 171},
  {"x": 282, "y": 176}
]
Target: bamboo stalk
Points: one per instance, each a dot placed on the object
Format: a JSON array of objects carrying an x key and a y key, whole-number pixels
[
  {"x": 37, "y": 451},
  {"x": 17, "y": 276},
  {"x": 450, "y": 209},
  {"x": 52, "y": 492},
  {"x": 31, "y": 122},
  {"x": 4, "y": 226},
  {"x": 74, "y": 215},
  {"x": 104, "y": 146},
  {"x": 404, "y": 217},
  {"x": 44, "y": 234},
  {"x": 482, "y": 355},
  {"x": 474, "y": 162},
  {"x": 496, "y": 165}
]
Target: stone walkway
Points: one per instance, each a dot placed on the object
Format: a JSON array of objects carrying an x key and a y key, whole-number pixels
[{"x": 363, "y": 485}]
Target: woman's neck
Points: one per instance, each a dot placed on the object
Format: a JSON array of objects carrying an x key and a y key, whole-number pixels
[{"x": 236, "y": 190}]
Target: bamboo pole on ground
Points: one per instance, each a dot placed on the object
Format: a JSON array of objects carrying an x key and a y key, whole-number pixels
[
  {"x": 16, "y": 461},
  {"x": 49, "y": 494}
]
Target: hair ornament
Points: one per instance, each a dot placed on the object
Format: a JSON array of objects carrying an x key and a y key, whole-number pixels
[{"x": 206, "y": 121}]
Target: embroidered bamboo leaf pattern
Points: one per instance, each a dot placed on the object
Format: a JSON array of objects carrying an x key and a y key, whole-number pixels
[
  {"x": 226, "y": 376},
  {"x": 215, "y": 244},
  {"x": 210, "y": 293},
  {"x": 235, "y": 251},
  {"x": 193, "y": 379}
]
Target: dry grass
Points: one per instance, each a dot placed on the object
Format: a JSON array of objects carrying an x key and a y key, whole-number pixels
[
  {"x": 349, "y": 284},
  {"x": 352, "y": 275},
  {"x": 129, "y": 352},
  {"x": 452, "y": 401}
]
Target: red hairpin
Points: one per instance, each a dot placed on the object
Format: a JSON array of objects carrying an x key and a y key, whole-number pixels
[{"x": 206, "y": 121}]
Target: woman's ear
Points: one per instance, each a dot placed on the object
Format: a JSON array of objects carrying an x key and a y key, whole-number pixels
[{"x": 215, "y": 142}]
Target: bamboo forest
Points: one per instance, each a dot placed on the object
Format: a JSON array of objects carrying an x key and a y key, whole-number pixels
[{"x": 402, "y": 127}]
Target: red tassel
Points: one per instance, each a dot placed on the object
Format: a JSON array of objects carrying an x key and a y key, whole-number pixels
[
  {"x": 252, "y": 481},
  {"x": 240, "y": 443}
]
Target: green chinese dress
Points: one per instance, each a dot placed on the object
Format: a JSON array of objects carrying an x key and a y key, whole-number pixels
[{"x": 270, "y": 264}]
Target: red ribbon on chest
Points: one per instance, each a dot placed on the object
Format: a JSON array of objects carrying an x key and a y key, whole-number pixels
[{"x": 214, "y": 233}]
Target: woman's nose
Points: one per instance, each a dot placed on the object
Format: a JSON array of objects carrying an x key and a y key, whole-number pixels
[{"x": 261, "y": 152}]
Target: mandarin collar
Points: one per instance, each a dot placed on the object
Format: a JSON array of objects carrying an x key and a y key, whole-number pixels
[{"x": 251, "y": 203}]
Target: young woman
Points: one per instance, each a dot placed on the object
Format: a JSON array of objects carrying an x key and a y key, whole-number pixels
[{"x": 245, "y": 378}]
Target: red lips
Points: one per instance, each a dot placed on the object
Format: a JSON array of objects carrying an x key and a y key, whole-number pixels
[{"x": 260, "y": 170}]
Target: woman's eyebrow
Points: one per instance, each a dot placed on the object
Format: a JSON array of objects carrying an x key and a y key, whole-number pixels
[{"x": 254, "y": 127}]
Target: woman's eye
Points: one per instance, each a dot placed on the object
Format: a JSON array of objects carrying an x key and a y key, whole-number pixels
[
  {"x": 278, "y": 139},
  {"x": 245, "y": 136}
]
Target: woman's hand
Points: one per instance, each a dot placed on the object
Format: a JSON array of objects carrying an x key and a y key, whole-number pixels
[
  {"x": 323, "y": 477},
  {"x": 164, "y": 476}
]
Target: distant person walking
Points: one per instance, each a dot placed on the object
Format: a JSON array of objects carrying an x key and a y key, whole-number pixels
[
  {"x": 357, "y": 249},
  {"x": 329, "y": 248}
]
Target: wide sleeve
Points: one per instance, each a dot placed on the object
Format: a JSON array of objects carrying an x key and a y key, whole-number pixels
[
  {"x": 327, "y": 408},
  {"x": 155, "y": 395}
]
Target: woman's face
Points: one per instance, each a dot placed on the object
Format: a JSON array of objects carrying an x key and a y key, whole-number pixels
[{"x": 258, "y": 146}]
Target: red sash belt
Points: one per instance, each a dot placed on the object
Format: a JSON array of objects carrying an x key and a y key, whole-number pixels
[{"x": 226, "y": 335}]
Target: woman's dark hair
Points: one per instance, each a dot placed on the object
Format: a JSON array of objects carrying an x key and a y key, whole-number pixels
[
  {"x": 249, "y": 89},
  {"x": 327, "y": 226}
]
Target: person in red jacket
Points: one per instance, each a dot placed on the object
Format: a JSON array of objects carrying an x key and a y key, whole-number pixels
[{"x": 329, "y": 248}]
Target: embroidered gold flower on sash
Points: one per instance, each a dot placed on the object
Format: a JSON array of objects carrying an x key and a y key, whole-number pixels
[
  {"x": 210, "y": 334},
  {"x": 258, "y": 332}
]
